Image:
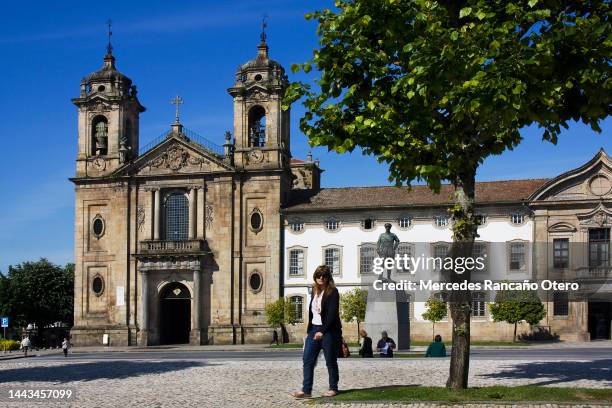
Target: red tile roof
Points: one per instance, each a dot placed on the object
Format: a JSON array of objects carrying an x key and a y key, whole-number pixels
[{"x": 507, "y": 191}]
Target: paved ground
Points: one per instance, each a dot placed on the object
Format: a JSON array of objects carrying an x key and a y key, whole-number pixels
[{"x": 186, "y": 382}]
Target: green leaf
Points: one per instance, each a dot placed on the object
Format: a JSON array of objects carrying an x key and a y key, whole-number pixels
[
  {"x": 465, "y": 12},
  {"x": 532, "y": 3},
  {"x": 481, "y": 14}
]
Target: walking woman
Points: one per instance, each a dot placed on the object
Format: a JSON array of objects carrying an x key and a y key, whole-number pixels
[{"x": 324, "y": 332}]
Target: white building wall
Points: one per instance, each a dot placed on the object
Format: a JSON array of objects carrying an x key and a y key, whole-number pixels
[{"x": 497, "y": 232}]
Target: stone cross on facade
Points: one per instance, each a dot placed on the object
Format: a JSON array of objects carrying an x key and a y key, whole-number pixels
[{"x": 177, "y": 100}]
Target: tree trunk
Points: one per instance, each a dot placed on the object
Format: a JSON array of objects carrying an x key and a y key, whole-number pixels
[
  {"x": 357, "y": 331},
  {"x": 433, "y": 330},
  {"x": 465, "y": 227},
  {"x": 514, "y": 337}
]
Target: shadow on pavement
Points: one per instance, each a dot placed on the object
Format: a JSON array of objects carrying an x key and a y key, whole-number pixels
[
  {"x": 93, "y": 371},
  {"x": 558, "y": 372}
]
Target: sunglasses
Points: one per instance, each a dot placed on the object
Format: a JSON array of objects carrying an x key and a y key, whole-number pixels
[{"x": 319, "y": 276}]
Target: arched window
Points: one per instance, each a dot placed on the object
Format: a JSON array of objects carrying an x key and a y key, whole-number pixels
[
  {"x": 99, "y": 131},
  {"x": 257, "y": 127},
  {"x": 177, "y": 217}
]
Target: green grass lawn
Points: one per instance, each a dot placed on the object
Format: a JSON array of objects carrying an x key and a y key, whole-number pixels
[{"x": 496, "y": 394}]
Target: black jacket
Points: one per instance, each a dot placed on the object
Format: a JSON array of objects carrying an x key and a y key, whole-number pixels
[
  {"x": 366, "y": 348},
  {"x": 330, "y": 313}
]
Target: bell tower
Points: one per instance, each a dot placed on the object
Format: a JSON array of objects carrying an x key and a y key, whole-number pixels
[
  {"x": 108, "y": 119},
  {"x": 261, "y": 127}
]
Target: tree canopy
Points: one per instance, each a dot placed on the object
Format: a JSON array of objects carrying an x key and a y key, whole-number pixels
[
  {"x": 353, "y": 306},
  {"x": 433, "y": 88},
  {"x": 38, "y": 292},
  {"x": 513, "y": 306}
]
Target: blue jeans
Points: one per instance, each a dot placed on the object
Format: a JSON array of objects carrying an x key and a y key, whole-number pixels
[{"x": 329, "y": 343}]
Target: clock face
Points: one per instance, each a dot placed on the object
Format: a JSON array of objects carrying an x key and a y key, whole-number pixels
[{"x": 256, "y": 156}]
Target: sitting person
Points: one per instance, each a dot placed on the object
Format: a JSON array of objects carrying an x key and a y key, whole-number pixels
[
  {"x": 385, "y": 345},
  {"x": 366, "y": 345},
  {"x": 436, "y": 348}
]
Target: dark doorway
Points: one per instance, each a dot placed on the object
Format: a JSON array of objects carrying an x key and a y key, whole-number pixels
[
  {"x": 175, "y": 314},
  {"x": 600, "y": 314}
]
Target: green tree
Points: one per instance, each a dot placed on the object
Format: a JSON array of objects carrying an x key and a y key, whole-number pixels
[
  {"x": 513, "y": 306},
  {"x": 281, "y": 313},
  {"x": 433, "y": 88},
  {"x": 39, "y": 292},
  {"x": 435, "y": 311},
  {"x": 353, "y": 306}
]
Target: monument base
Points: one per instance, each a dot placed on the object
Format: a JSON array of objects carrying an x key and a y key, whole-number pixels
[{"x": 388, "y": 310}]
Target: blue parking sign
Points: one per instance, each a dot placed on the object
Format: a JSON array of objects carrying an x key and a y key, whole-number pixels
[{"x": 5, "y": 322}]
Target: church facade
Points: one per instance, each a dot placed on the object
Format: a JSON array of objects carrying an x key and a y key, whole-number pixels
[{"x": 184, "y": 241}]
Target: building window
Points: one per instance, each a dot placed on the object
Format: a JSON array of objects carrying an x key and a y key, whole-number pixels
[
  {"x": 177, "y": 217},
  {"x": 441, "y": 221},
  {"x": 404, "y": 222},
  {"x": 517, "y": 256},
  {"x": 332, "y": 224},
  {"x": 256, "y": 220},
  {"x": 479, "y": 250},
  {"x": 331, "y": 257},
  {"x": 478, "y": 304},
  {"x": 97, "y": 285},
  {"x": 98, "y": 226},
  {"x": 296, "y": 262},
  {"x": 367, "y": 224},
  {"x": 367, "y": 252},
  {"x": 296, "y": 226},
  {"x": 100, "y": 136},
  {"x": 561, "y": 253},
  {"x": 255, "y": 281},
  {"x": 297, "y": 303},
  {"x": 439, "y": 253},
  {"x": 404, "y": 248},
  {"x": 257, "y": 127},
  {"x": 443, "y": 296},
  {"x": 517, "y": 218},
  {"x": 599, "y": 247},
  {"x": 560, "y": 304}
]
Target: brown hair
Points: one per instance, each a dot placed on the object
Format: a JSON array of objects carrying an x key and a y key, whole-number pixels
[{"x": 328, "y": 286}]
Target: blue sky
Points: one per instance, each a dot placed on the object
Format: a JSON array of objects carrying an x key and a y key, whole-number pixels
[{"x": 192, "y": 49}]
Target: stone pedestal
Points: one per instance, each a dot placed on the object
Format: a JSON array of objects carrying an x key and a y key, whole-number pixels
[
  {"x": 388, "y": 310},
  {"x": 143, "y": 338},
  {"x": 196, "y": 337}
]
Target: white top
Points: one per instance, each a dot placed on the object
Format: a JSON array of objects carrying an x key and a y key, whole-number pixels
[{"x": 316, "y": 309}]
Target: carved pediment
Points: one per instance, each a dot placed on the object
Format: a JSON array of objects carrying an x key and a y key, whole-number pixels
[
  {"x": 592, "y": 181},
  {"x": 600, "y": 217},
  {"x": 562, "y": 227},
  {"x": 177, "y": 156}
]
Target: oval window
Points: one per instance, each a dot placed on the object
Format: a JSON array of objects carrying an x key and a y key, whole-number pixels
[
  {"x": 256, "y": 221},
  {"x": 97, "y": 285},
  {"x": 101, "y": 88},
  {"x": 255, "y": 281},
  {"x": 258, "y": 77},
  {"x": 98, "y": 226}
]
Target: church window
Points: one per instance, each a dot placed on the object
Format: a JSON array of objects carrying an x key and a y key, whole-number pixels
[
  {"x": 100, "y": 136},
  {"x": 561, "y": 253},
  {"x": 257, "y": 127},
  {"x": 97, "y": 285},
  {"x": 258, "y": 77},
  {"x": 478, "y": 304},
  {"x": 367, "y": 252},
  {"x": 255, "y": 281},
  {"x": 297, "y": 303},
  {"x": 441, "y": 221},
  {"x": 560, "y": 304},
  {"x": 98, "y": 226},
  {"x": 177, "y": 217},
  {"x": 101, "y": 88},
  {"x": 599, "y": 248},
  {"x": 256, "y": 220}
]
